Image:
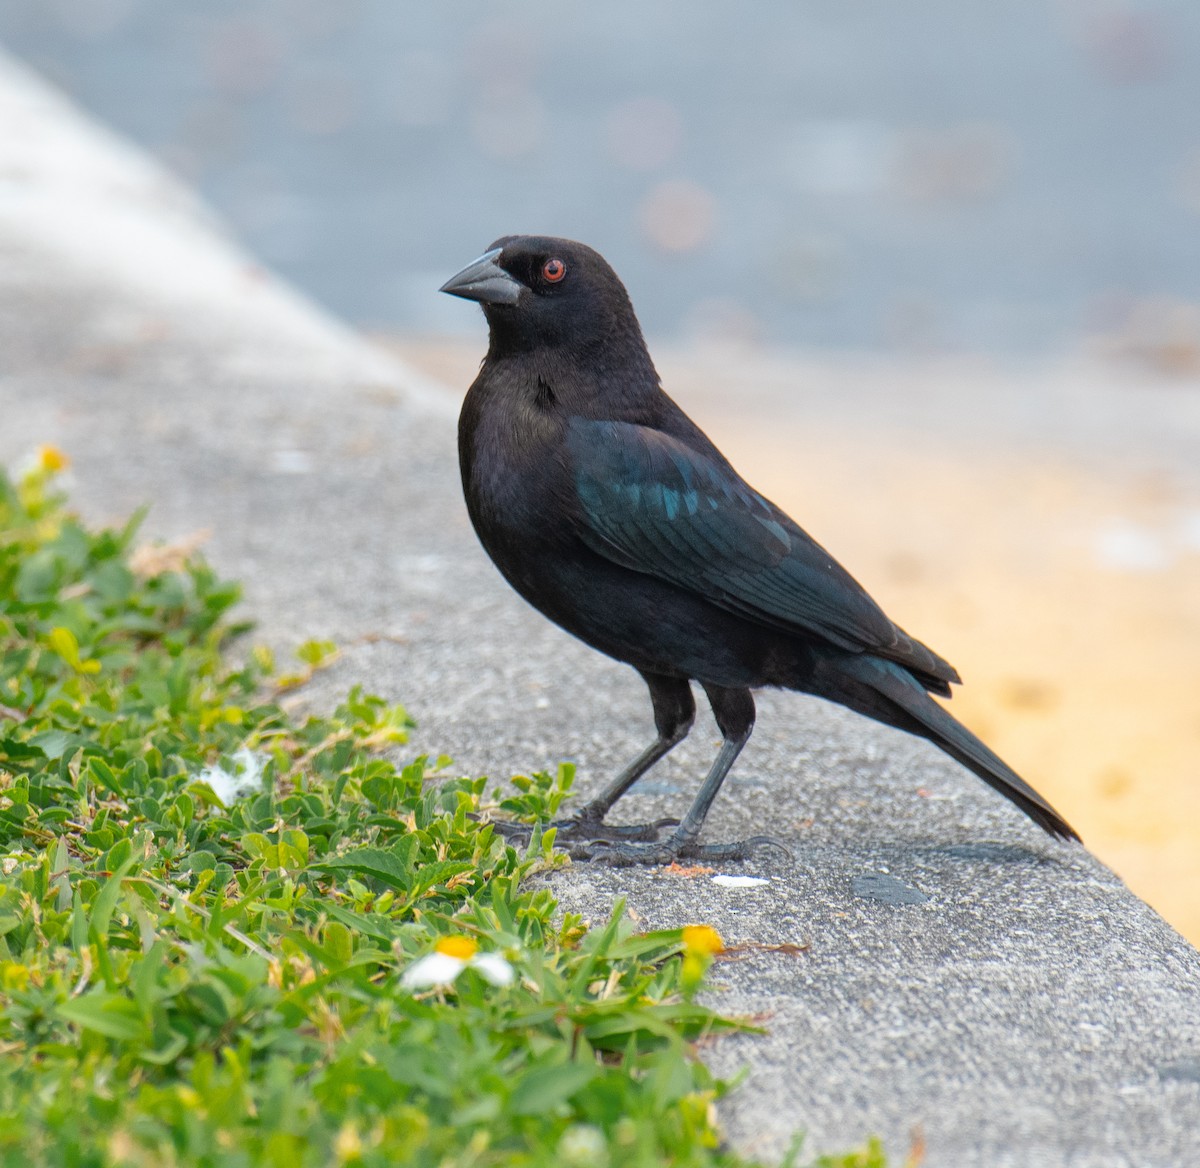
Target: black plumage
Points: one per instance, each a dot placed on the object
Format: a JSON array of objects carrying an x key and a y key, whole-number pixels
[{"x": 614, "y": 515}]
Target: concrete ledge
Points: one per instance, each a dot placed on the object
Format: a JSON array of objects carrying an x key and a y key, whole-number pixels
[{"x": 962, "y": 974}]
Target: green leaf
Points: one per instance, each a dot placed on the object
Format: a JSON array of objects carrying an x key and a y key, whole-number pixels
[
  {"x": 54, "y": 743},
  {"x": 79, "y": 923},
  {"x": 101, "y": 774},
  {"x": 66, "y": 645},
  {"x": 339, "y": 944},
  {"x": 431, "y": 875},
  {"x": 61, "y": 876},
  {"x": 104, "y": 1013},
  {"x": 163, "y": 1056},
  {"x": 544, "y": 1089},
  {"x": 145, "y": 978},
  {"x": 317, "y": 653},
  {"x": 383, "y": 866},
  {"x": 106, "y": 902},
  {"x": 369, "y": 924}
]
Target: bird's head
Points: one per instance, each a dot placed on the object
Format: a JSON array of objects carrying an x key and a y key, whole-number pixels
[{"x": 539, "y": 292}]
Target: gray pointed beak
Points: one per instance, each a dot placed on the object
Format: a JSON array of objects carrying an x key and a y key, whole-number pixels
[{"x": 485, "y": 281}]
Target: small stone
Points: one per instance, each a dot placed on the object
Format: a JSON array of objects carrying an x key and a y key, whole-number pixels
[{"x": 886, "y": 889}]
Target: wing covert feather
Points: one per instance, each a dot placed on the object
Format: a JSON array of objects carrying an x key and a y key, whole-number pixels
[{"x": 653, "y": 504}]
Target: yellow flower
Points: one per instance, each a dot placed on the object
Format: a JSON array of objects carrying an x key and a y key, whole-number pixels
[
  {"x": 51, "y": 459},
  {"x": 464, "y": 948},
  {"x": 701, "y": 943},
  {"x": 702, "y": 940}
]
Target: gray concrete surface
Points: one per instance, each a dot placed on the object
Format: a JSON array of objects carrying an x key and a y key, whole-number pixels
[{"x": 964, "y": 977}]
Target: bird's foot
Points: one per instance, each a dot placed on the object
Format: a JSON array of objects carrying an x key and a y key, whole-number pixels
[
  {"x": 624, "y": 854},
  {"x": 585, "y": 829},
  {"x": 589, "y": 828}
]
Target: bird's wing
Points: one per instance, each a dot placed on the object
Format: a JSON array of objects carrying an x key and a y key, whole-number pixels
[{"x": 655, "y": 505}]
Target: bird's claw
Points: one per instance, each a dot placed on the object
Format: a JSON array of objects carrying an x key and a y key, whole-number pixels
[
  {"x": 586, "y": 829},
  {"x": 623, "y": 854}
]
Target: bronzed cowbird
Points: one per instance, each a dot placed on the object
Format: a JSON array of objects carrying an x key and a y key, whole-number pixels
[{"x": 614, "y": 515}]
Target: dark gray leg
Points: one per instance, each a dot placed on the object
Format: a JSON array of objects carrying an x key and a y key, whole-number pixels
[
  {"x": 674, "y": 713},
  {"x": 734, "y": 711}
]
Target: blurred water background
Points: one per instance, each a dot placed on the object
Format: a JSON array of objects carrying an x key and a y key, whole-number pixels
[
  {"x": 929, "y": 270},
  {"x": 948, "y": 174}
]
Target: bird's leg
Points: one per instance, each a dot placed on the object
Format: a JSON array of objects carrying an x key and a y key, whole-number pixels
[
  {"x": 734, "y": 711},
  {"x": 674, "y": 713}
]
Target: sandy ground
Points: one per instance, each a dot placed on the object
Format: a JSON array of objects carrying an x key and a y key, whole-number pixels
[{"x": 1055, "y": 559}]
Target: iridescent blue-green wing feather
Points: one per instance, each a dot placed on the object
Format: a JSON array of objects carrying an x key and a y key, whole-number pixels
[{"x": 653, "y": 504}]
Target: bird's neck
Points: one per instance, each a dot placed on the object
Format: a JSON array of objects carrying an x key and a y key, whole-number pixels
[{"x": 617, "y": 383}]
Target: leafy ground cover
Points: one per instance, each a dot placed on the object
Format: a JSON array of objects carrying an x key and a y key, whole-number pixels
[{"x": 231, "y": 936}]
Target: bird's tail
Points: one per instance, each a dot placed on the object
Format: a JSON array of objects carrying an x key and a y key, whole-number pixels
[{"x": 888, "y": 693}]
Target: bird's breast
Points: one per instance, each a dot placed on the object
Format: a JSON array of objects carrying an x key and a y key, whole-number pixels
[{"x": 515, "y": 479}]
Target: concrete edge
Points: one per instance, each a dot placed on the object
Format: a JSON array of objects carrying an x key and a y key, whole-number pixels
[{"x": 113, "y": 215}]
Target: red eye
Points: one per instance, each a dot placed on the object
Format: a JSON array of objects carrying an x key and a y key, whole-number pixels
[{"x": 553, "y": 270}]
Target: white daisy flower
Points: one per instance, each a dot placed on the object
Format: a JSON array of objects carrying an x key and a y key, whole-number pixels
[
  {"x": 246, "y": 779},
  {"x": 494, "y": 968},
  {"x": 450, "y": 956}
]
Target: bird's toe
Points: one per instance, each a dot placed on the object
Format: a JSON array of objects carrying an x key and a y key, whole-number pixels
[
  {"x": 626, "y": 853},
  {"x": 511, "y": 830},
  {"x": 620, "y": 853},
  {"x": 585, "y": 827},
  {"x": 739, "y": 850}
]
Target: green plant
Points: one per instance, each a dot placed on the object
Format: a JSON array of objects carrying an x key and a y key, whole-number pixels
[{"x": 231, "y": 937}]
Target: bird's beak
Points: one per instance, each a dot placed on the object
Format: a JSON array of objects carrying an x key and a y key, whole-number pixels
[{"x": 485, "y": 281}]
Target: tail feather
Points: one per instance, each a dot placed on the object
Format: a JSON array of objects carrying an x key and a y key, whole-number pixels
[{"x": 893, "y": 696}]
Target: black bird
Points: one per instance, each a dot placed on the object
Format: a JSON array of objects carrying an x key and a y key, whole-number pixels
[{"x": 612, "y": 513}]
